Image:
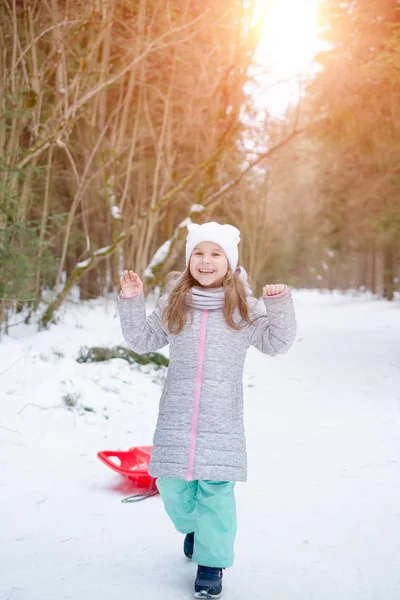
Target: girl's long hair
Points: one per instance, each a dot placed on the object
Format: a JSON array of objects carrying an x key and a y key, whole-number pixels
[{"x": 177, "y": 309}]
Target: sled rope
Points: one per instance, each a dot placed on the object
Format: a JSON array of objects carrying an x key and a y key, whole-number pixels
[
  {"x": 140, "y": 497},
  {"x": 147, "y": 493}
]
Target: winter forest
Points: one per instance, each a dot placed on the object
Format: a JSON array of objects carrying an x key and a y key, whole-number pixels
[{"x": 121, "y": 120}]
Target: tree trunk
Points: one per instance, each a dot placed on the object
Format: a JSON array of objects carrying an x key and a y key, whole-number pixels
[
  {"x": 373, "y": 269},
  {"x": 388, "y": 270},
  {"x": 89, "y": 285}
]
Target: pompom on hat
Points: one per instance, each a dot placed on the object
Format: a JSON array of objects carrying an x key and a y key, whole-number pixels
[{"x": 226, "y": 236}]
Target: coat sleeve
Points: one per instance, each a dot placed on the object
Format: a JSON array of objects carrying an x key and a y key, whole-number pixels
[
  {"x": 274, "y": 328},
  {"x": 142, "y": 333}
]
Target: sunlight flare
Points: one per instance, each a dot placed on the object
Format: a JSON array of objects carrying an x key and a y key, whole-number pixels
[{"x": 290, "y": 36}]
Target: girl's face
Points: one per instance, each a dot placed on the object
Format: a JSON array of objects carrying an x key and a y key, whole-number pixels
[{"x": 208, "y": 264}]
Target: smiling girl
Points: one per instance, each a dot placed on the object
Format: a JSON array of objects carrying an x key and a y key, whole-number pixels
[{"x": 210, "y": 319}]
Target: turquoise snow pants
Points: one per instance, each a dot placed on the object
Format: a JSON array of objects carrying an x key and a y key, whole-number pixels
[{"x": 209, "y": 509}]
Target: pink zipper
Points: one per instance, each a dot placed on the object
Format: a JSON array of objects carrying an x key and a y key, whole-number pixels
[{"x": 197, "y": 390}]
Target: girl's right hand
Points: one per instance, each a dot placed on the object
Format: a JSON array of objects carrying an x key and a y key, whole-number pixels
[{"x": 131, "y": 283}]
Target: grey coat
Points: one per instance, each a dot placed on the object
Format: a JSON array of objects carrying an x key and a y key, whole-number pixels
[{"x": 200, "y": 431}]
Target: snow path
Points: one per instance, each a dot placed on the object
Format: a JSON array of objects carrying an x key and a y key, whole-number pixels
[{"x": 319, "y": 518}]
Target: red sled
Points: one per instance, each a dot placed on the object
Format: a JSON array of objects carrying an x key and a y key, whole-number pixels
[{"x": 134, "y": 464}]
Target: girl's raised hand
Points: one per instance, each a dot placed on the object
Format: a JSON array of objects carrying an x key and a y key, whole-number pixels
[
  {"x": 273, "y": 290},
  {"x": 131, "y": 283}
]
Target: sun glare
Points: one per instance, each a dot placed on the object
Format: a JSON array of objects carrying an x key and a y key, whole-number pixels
[
  {"x": 289, "y": 38},
  {"x": 288, "y": 44}
]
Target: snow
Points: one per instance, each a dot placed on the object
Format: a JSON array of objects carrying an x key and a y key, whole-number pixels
[
  {"x": 115, "y": 212},
  {"x": 163, "y": 251},
  {"x": 83, "y": 263},
  {"x": 318, "y": 519},
  {"x": 102, "y": 251},
  {"x": 196, "y": 209},
  {"x": 158, "y": 258}
]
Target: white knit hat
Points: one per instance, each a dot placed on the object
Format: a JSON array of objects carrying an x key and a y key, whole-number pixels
[{"x": 226, "y": 236}]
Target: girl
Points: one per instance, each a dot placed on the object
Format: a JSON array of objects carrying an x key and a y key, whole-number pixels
[{"x": 210, "y": 319}]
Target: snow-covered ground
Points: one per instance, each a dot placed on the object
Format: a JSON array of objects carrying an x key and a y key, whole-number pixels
[{"x": 319, "y": 518}]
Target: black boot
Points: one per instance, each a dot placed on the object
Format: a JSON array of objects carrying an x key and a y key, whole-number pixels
[
  {"x": 188, "y": 544},
  {"x": 208, "y": 582}
]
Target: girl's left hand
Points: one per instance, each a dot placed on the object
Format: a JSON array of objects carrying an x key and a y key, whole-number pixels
[{"x": 274, "y": 289}]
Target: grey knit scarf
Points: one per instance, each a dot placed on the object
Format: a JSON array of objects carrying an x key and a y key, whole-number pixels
[{"x": 213, "y": 298}]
